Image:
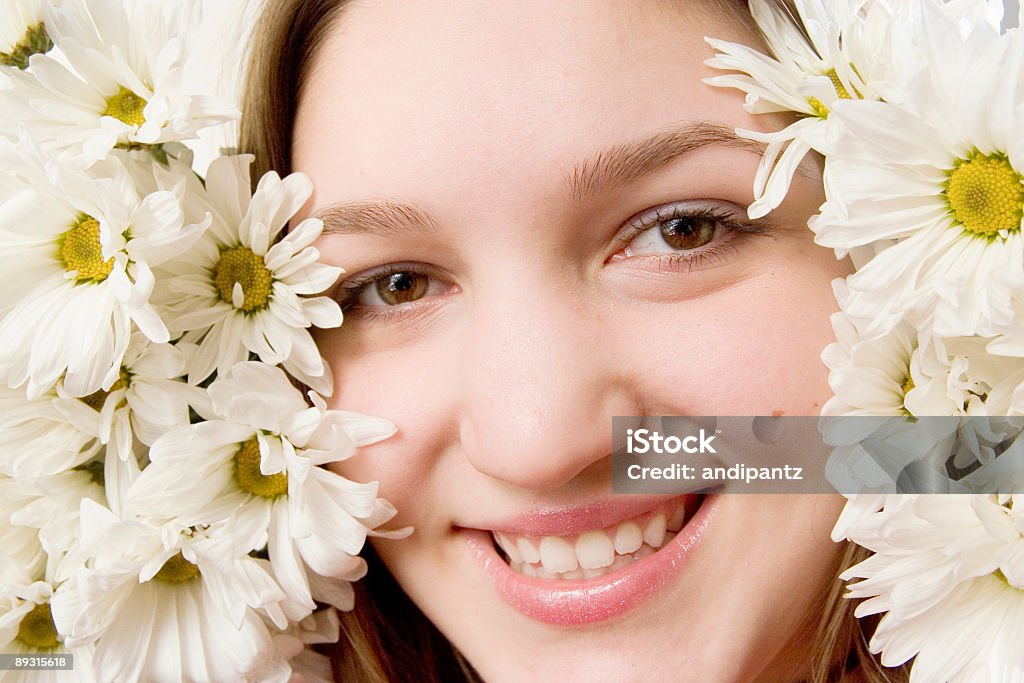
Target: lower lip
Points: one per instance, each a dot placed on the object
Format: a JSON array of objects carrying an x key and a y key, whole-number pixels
[{"x": 577, "y": 602}]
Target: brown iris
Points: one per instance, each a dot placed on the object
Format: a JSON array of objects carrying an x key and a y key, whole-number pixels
[
  {"x": 688, "y": 232},
  {"x": 402, "y": 288}
]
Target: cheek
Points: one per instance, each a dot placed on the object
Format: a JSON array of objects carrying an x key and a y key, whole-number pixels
[
  {"x": 753, "y": 349},
  {"x": 409, "y": 386}
]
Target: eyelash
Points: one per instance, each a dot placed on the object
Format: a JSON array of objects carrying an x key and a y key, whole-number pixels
[
  {"x": 351, "y": 289},
  {"x": 715, "y": 252}
]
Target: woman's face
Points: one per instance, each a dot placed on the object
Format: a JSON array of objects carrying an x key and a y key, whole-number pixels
[{"x": 539, "y": 207}]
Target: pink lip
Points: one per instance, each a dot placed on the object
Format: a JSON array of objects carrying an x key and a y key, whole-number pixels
[{"x": 578, "y": 602}]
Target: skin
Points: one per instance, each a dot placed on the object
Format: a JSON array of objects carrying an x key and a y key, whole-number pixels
[{"x": 538, "y": 326}]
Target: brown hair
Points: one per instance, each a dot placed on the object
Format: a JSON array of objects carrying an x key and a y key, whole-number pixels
[{"x": 386, "y": 637}]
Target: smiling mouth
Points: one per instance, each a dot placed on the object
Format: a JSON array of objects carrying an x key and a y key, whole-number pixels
[{"x": 595, "y": 552}]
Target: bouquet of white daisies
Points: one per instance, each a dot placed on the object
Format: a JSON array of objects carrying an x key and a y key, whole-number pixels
[
  {"x": 916, "y": 107},
  {"x": 164, "y": 509}
]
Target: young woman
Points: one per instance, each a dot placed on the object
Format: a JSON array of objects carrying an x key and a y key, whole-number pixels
[{"x": 541, "y": 212}]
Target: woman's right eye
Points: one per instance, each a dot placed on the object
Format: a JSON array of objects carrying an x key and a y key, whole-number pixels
[
  {"x": 400, "y": 288},
  {"x": 392, "y": 288}
]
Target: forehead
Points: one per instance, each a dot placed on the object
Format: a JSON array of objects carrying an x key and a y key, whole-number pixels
[{"x": 403, "y": 94}]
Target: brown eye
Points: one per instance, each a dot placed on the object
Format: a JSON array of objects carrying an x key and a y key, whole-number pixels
[
  {"x": 402, "y": 288},
  {"x": 688, "y": 232},
  {"x": 681, "y": 228}
]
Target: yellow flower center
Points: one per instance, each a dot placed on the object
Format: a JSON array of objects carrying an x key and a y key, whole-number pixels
[
  {"x": 126, "y": 106},
  {"x": 96, "y": 399},
  {"x": 251, "y": 480},
  {"x": 837, "y": 83},
  {"x": 82, "y": 253},
  {"x": 906, "y": 388},
  {"x": 819, "y": 108},
  {"x": 240, "y": 265},
  {"x": 177, "y": 570},
  {"x": 95, "y": 471},
  {"x": 37, "y": 629},
  {"x": 985, "y": 194},
  {"x": 35, "y": 41}
]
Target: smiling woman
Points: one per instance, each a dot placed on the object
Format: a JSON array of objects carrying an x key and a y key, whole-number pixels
[{"x": 540, "y": 209}]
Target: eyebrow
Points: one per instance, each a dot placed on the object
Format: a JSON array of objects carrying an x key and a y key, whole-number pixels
[
  {"x": 620, "y": 164},
  {"x": 624, "y": 163},
  {"x": 385, "y": 218}
]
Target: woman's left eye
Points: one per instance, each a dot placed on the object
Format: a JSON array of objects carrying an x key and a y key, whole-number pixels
[
  {"x": 686, "y": 235},
  {"x": 686, "y": 229},
  {"x": 676, "y": 234}
]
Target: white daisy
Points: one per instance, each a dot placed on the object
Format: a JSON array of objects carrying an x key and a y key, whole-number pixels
[
  {"x": 20, "y": 543},
  {"x": 261, "y": 463},
  {"x": 76, "y": 254},
  {"x": 164, "y": 603},
  {"x": 949, "y": 573},
  {"x": 845, "y": 54},
  {"x": 957, "y": 394},
  {"x": 27, "y": 627},
  {"x": 940, "y": 174},
  {"x": 148, "y": 399},
  {"x": 902, "y": 373},
  {"x": 126, "y": 86},
  {"x": 958, "y": 375},
  {"x": 293, "y": 656},
  {"x": 49, "y": 507},
  {"x": 22, "y": 32},
  {"x": 869, "y": 376},
  {"x": 859, "y": 506},
  {"x": 241, "y": 289},
  {"x": 968, "y": 13},
  {"x": 881, "y": 456},
  {"x": 45, "y": 435}
]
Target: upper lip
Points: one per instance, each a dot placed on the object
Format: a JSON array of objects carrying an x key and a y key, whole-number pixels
[{"x": 558, "y": 520}]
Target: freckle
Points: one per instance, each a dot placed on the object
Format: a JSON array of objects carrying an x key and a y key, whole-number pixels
[{"x": 778, "y": 413}]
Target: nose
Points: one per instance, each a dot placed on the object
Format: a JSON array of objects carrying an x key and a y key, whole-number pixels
[{"x": 540, "y": 382}]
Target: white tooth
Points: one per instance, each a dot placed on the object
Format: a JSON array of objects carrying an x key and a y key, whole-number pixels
[
  {"x": 675, "y": 522},
  {"x": 530, "y": 569},
  {"x": 574, "y": 574},
  {"x": 644, "y": 551},
  {"x": 556, "y": 555},
  {"x": 591, "y": 573},
  {"x": 628, "y": 538},
  {"x": 527, "y": 551},
  {"x": 594, "y": 550},
  {"x": 545, "y": 574},
  {"x": 510, "y": 548},
  {"x": 654, "y": 533}
]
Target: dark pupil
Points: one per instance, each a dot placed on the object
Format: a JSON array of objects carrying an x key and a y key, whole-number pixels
[
  {"x": 687, "y": 232},
  {"x": 400, "y": 282},
  {"x": 400, "y": 288}
]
